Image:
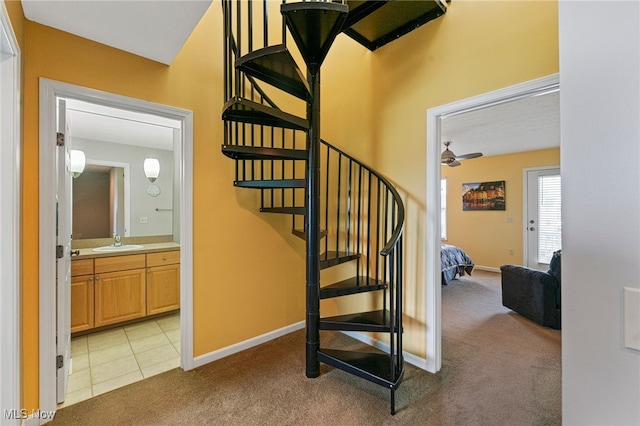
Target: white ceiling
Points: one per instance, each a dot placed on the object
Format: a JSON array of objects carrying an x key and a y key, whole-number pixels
[
  {"x": 156, "y": 30},
  {"x": 106, "y": 124},
  {"x": 522, "y": 125}
]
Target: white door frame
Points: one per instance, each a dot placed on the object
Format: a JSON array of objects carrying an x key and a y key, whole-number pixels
[
  {"x": 434, "y": 115},
  {"x": 49, "y": 91},
  {"x": 10, "y": 223}
]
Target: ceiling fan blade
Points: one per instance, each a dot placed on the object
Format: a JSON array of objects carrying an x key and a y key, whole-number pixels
[
  {"x": 454, "y": 163},
  {"x": 469, "y": 156}
]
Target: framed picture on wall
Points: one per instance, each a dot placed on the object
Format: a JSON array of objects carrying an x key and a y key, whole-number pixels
[{"x": 483, "y": 196}]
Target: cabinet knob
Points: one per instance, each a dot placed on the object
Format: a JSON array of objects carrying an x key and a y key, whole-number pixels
[{"x": 164, "y": 257}]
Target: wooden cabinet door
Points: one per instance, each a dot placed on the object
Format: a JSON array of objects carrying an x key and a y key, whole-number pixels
[
  {"x": 163, "y": 289},
  {"x": 81, "y": 302},
  {"x": 120, "y": 296}
]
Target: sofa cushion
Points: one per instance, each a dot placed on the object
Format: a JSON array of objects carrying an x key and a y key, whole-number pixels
[{"x": 555, "y": 265}]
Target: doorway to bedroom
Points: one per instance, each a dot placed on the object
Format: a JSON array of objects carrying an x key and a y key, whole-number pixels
[{"x": 491, "y": 124}]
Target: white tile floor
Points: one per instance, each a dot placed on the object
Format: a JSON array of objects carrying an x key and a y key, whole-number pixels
[{"x": 110, "y": 359}]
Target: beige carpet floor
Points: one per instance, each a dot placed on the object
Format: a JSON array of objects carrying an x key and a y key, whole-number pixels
[{"x": 498, "y": 369}]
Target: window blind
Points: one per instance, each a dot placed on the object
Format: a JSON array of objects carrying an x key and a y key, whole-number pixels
[{"x": 549, "y": 217}]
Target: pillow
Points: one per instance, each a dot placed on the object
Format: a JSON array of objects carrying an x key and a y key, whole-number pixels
[{"x": 555, "y": 265}]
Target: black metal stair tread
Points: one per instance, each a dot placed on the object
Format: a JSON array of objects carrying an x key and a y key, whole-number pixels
[
  {"x": 333, "y": 258},
  {"x": 246, "y": 111},
  {"x": 352, "y": 285},
  {"x": 302, "y": 234},
  {"x": 373, "y": 365},
  {"x": 275, "y": 65},
  {"x": 314, "y": 26},
  {"x": 245, "y": 152},
  {"x": 374, "y": 24},
  {"x": 274, "y": 183},
  {"x": 284, "y": 210},
  {"x": 379, "y": 321}
]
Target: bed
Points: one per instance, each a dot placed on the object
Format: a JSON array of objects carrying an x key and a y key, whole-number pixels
[{"x": 454, "y": 262}]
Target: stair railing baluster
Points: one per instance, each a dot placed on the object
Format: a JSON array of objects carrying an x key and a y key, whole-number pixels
[
  {"x": 293, "y": 172},
  {"x": 377, "y": 268},
  {"x": 338, "y": 202},
  {"x": 348, "y": 208},
  {"x": 284, "y": 29},
  {"x": 265, "y": 24},
  {"x": 368, "y": 222},
  {"x": 327, "y": 198},
  {"x": 358, "y": 242},
  {"x": 399, "y": 308},
  {"x": 250, "y": 25},
  {"x": 392, "y": 319},
  {"x": 282, "y": 192},
  {"x": 385, "y": 230}
]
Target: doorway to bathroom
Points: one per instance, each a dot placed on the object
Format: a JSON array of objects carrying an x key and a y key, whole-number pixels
[{"x": 155, "y": 210}]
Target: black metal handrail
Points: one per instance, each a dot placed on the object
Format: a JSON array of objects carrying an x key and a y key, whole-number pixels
[{"x": 399, "y": 226}]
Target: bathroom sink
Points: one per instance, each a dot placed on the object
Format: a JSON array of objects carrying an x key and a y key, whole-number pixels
[{"x": 124, "y": 247}]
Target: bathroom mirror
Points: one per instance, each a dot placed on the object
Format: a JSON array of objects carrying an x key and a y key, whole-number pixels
[
  {"x": 98, "y": 202},
  {"x": 111, "y": 194}
]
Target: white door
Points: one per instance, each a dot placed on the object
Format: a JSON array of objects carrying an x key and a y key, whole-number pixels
[
  {"x": 543, "y": 221},
  {"x": 63, "y": 236}
]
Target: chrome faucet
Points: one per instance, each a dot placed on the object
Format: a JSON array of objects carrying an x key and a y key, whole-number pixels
[{"x": 116, "y": 240}]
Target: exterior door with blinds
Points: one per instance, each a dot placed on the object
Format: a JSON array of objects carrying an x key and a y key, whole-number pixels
[{"x": 543, "y": 232}]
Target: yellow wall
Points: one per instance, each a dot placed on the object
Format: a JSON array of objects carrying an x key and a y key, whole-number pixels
[
  {"x": 16, "y": 15},
  {"x": 477, "y": 47},
  {"x": 248, "y": 268},
  {"x": 487, "y": 236}
]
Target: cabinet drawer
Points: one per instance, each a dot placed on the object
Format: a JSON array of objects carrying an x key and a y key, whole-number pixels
[
  {"x": 119, "y": 263},
  {"x": 81, "y": 267},
  {"x": 163, "y": 258}
]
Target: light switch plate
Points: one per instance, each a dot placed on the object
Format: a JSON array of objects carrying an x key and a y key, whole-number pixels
[{"x": 632, "y": 318}]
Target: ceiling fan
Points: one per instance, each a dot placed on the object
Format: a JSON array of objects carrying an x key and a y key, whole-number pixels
[{"x": 448, "y": 158}]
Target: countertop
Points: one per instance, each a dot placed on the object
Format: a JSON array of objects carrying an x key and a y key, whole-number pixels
[{"x": 88, "y": 253}]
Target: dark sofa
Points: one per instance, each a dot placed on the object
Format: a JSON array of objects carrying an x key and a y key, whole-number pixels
[{"x": 534, "y": 294}]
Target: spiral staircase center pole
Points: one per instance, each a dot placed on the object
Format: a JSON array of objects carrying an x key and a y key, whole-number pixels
[{"x": 313, "y": 225}]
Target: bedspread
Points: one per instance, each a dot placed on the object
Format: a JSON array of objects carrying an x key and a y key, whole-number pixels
[{"x": 454, "y": 262}]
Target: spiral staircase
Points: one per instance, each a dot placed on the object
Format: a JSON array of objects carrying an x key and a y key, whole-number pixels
[{"x": 347, "y": 213}]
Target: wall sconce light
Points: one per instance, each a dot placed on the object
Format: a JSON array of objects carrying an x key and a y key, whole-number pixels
[
  {"x": 151, "y": 169},
  {"x": 78, "y": 161}
]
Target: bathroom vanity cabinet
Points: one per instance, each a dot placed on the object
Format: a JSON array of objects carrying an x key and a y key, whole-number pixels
[
  {"x": 82, "y": 295},
  {"x": 163, "y": 282},
  {"x": 120, "y": 289},
  {"x": 112, "y": 289}
]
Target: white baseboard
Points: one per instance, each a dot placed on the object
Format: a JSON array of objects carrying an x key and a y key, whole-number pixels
[
  {"x": 241, "y": 346},
  {"x": 258, "y": 340},
  {"x": 408, "y": 357}
]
